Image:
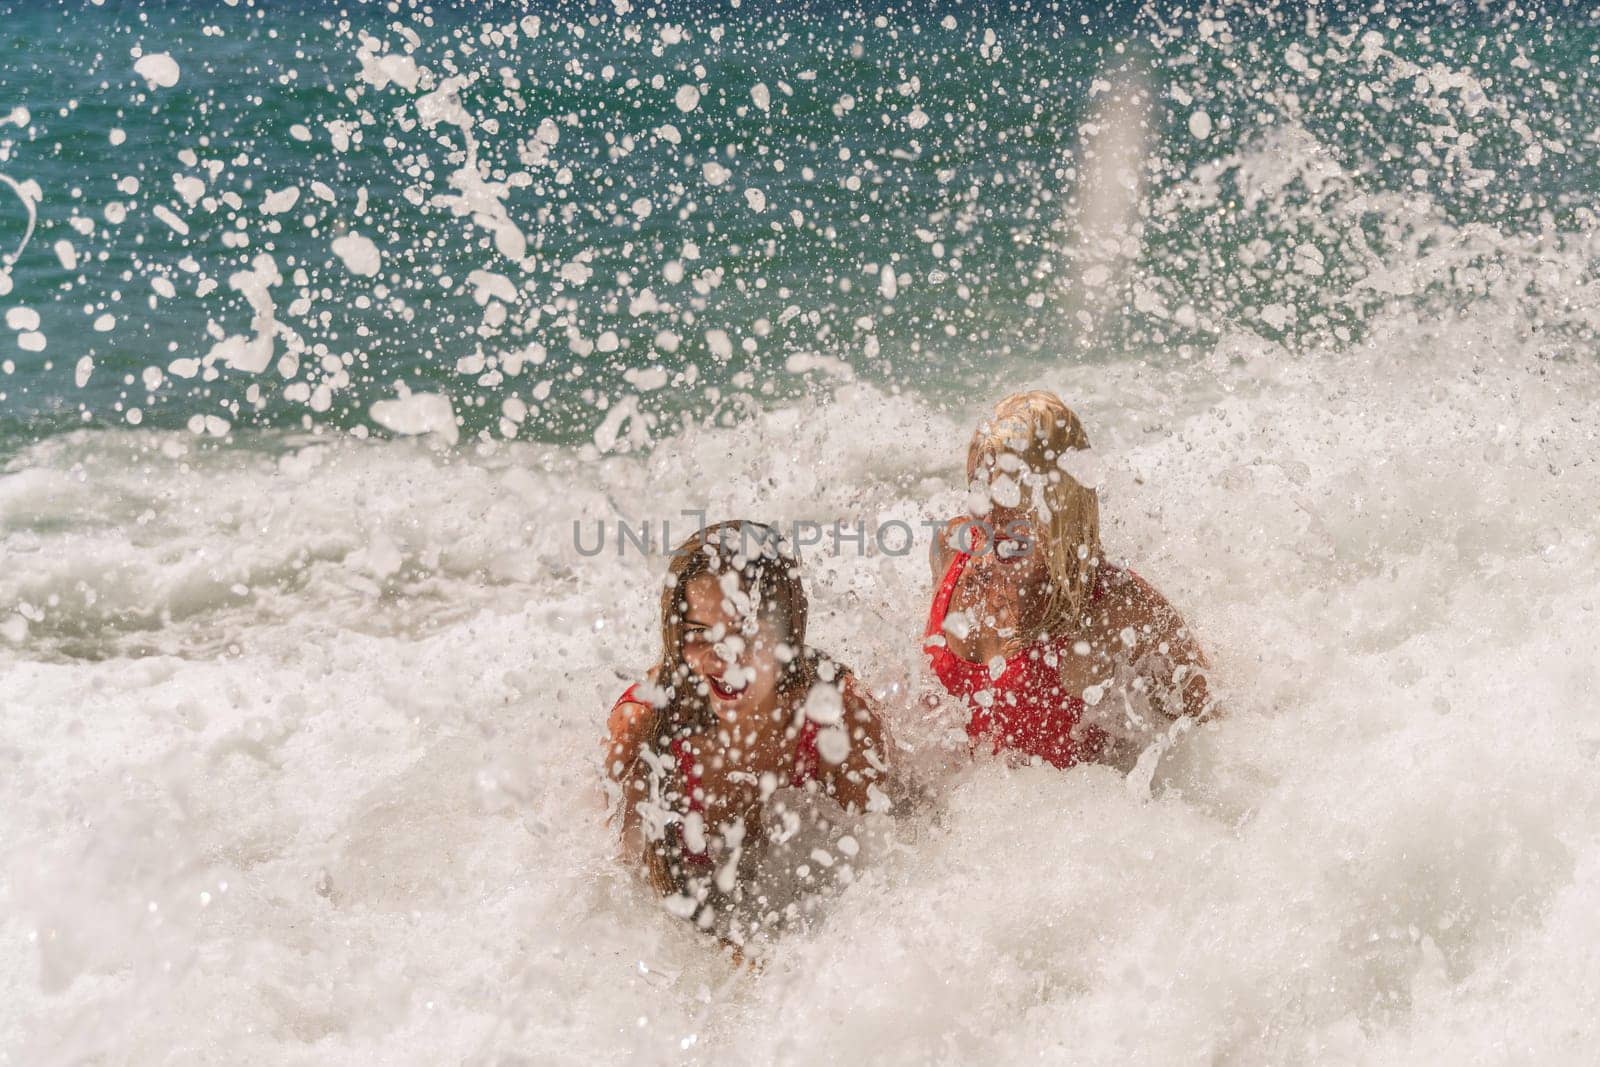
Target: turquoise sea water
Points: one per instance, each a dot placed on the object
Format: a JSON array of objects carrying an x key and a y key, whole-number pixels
[{"x": 749, "y": 238}]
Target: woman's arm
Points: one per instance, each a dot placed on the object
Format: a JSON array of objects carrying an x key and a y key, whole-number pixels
[
  {"x": 1161, "y": 630},
  {"x": 627, "y": 732}
]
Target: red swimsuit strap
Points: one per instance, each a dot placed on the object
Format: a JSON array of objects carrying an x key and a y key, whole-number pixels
[{"x": 946, "y": 590}]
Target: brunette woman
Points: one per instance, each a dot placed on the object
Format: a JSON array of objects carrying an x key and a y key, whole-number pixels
[{"x": 739, "y": 726}]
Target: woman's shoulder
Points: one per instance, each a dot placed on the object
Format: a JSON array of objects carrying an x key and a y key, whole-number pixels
[
  {"x": 633, "y": 711},
  {"x": 628, "y": 708},
  {"x": 1131, "y": 599}
]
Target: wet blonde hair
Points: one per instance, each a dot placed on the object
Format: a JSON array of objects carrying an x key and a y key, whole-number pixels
[{"x": 1039, "y": 430}]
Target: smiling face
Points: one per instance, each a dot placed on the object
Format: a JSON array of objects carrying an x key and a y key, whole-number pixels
[{"x": 734, "y": 655}]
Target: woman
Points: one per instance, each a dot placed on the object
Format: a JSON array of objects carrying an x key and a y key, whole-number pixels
[
  {"x": 1060, "y": 654},
  {"x": 737, "y": 709}
]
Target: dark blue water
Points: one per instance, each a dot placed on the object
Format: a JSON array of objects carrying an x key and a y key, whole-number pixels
[{"x": 953, "y": 149}]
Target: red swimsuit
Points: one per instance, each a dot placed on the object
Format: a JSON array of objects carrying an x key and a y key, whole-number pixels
[
  {"x": 1024, "y": 708},
  {"x": 805, "y": 766}
]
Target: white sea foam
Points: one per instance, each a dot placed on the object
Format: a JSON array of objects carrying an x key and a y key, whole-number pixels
[
  {"x": 301, "y": 751},
  {"x": 360, "y": 255},
  {"x": 158, "y": 69},
  {"x": 411, "y": 414}
]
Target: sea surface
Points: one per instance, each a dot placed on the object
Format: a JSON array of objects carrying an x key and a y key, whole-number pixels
[{"x": 327, "y": 326}]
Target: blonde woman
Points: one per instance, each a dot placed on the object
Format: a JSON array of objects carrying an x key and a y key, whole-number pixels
[
  {"x": 737, "y": 710},
  {"x": 1059, "y": 654}
]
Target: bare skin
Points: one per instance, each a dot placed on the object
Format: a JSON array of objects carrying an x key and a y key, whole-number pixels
[
  {"x": 752, "y": 748},
  {"x": 1131, "y": 628}
]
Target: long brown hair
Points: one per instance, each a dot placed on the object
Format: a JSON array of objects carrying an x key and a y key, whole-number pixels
[{"x": 768, "y": 571}]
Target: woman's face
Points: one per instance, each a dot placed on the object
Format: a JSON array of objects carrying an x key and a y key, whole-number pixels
[
  {"x": 736, "y": 663},
  {"x": 1016, "y": 564}
]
